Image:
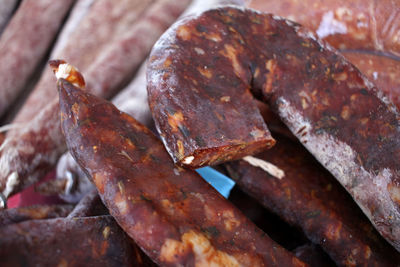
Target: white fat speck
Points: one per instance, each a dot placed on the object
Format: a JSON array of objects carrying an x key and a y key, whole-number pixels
[
  {"x": 199, "y": 51},
  {"x": 266, "y": 166},
  {"x": 275, "y": 17},
  {"x": 329, "y": 26},
  {"x": 302, "y": 32},
  {"x": 63, "y": 71},
  {"x": 367, "y": 82},
  {"x": 289, "y": 23},
  {"x": 341, "y": 160},
  {"x": 12, "y": 181},
  {"x": 375, "y": 75},
  {"x": 188, "y": 160}
]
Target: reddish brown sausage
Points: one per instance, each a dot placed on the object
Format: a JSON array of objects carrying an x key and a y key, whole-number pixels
[
  {"x": 68, "y": 242},
  {"x": 102, "y": 26},
  {"x": 15, "y": 215},
  {"x": 382, "y": 70},
  {"x": 24, "y": 43},
  {"x": 6, "y": 9},
  {"x": 31, "y": 151},
  {"x": 198, "y": 71},
  {"x": 309, "y": 198},
  {"x": 173, "y": 214},
  {"x": 356, "y": 24}
]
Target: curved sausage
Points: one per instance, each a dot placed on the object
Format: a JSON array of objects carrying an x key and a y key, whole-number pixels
[
  {"x": 201, "y": 77},
  {"x": 132, "y": 100},
  {"x": 173, "y": 214},
  {"x": 309, "y": 198},
  {"x": 356, "y": 24}
]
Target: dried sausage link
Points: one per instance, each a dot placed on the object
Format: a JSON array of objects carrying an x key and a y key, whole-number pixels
[
  {"x": 69, "y": 242},
  {"x": 15, "y": 215},
  {"x": 309, "y": 198},
  {"x": 24, "y": 43},
  {"x": 357, "y": 25},
  {"x": 31, "y": 151},
  {"x": 173, "y": 214},
  {"x": 202, "y": 73}
]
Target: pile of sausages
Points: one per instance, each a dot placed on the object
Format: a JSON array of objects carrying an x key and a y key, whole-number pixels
[{"x": 225, "y": 84}]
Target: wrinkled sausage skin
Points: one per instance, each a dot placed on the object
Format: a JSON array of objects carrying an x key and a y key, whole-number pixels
[
  {"x": 309, "y": 198},
  {"x": 382, "y": 70},
  {"x": 89, "y": 241},
  {"x": 173, "y": 214},
  {"x": 339, "y": 116},
  {"x": 230, "y": 126},
  {"x": 355, "y": 25}
]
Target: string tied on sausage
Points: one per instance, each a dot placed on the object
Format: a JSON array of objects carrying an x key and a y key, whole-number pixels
[{"x": 268, "y": 167}]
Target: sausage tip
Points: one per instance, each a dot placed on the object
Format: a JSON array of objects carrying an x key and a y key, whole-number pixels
[{"x": 64, "y": 70}]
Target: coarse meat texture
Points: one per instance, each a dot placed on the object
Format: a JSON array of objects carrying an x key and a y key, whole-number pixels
[
  {"x": 69, "y": 242},
  {"x": 31, "y": 151},
  {"x": 384, "y": 71},
  {"x": 16, "y": 215},
  {"x": 205, "y": 63},
  {"x": 309, "y": 198},
  {"x": 175, "y": 216},
  {"x": 83, "y": 40},
  {"x": 372, "y": 25},
  {"x": 24, "y": 43}
]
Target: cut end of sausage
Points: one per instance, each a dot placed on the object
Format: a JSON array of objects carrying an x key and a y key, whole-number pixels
[
  {"x": 214, "y": 156},
  {"x": 64, "y": 70}
]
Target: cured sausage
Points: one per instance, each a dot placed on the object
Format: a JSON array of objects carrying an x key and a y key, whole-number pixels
[
  {"x": 6, "y": 9},
  {"x": 132, "y": 100},
  {"x": 68, "y": 242},
  {"x": 15, "y": 215},
  {"x": 83, "y": 39},
  {"x": 357, "y": 24},
  {"x": 173, "y": 214},
  {"x": 31, "y": 151},
  {"x": 382, "y": 70},
  {"x": 24, "y": 43},
  {"x": 199, "y": 71},
  {"x": 309, "y": 198}
]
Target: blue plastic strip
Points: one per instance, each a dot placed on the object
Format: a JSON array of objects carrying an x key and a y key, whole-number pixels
[{"x": 220, "y": 182}]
